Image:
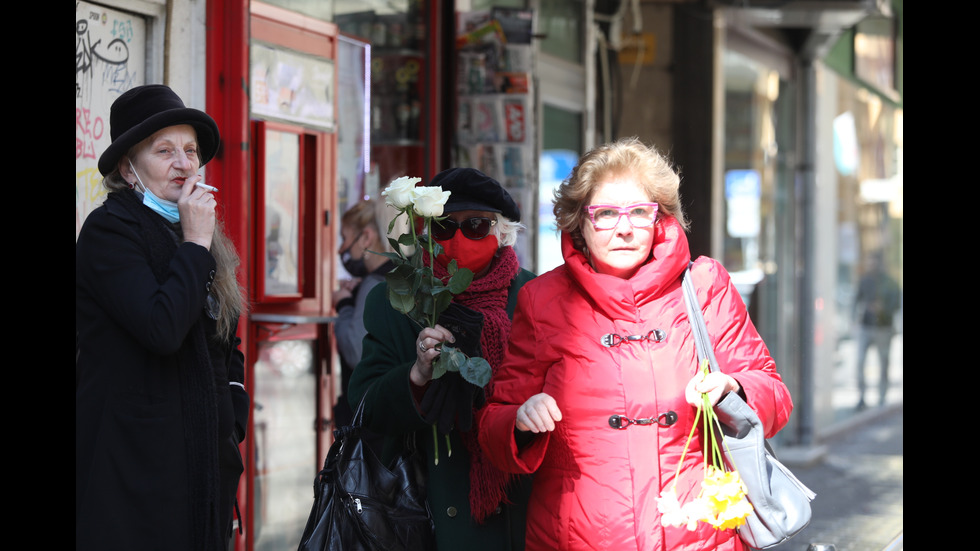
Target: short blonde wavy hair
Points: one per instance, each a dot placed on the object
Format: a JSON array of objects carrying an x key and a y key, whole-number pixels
[{"x": 624, "y": 156}]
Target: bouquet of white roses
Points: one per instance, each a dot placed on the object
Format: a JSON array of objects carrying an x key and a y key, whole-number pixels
[{"x": 413, "y": 288}]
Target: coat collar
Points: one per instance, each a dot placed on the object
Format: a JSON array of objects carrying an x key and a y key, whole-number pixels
[{"x": 618, "y": 298}]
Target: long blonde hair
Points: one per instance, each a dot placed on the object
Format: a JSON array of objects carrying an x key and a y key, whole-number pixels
[{"x": 232, "y": 301}]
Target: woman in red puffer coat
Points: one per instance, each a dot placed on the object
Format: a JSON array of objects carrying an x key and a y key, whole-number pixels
[{"x": 606, "y": 334}]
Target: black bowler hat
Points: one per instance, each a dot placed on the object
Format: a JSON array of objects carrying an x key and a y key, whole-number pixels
[
  {"x": 142, "y": 111},
  {"x": 471, "y": 189}
]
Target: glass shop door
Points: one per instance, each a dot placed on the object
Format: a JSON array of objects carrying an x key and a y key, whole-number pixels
[
  {"x": 290, "y": 374},
  {"x": 286, "y": 421},
  {"x": 292, "y": 216}
]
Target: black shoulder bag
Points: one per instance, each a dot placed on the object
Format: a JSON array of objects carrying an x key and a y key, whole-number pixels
[{"x": 361, "y": 505}]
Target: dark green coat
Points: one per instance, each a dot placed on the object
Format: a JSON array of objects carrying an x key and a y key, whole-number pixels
[{"x": 390, "y": 409}]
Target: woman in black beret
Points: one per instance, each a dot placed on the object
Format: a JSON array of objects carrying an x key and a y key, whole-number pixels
[
  {"x": 160, "y": 405},
  {"x": 474, "y": 505}
]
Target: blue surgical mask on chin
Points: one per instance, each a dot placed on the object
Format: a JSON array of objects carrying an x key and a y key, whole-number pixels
[{"x": 166, "y": 209}]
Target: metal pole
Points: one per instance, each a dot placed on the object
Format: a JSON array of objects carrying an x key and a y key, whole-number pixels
[{"x": 806, "y": 182}]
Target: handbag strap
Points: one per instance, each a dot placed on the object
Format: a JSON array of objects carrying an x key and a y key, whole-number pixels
[
  {"x": 359, "y": 412},
  {"x": 701, "y": 340}
]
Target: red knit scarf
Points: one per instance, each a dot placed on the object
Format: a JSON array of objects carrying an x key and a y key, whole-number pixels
[{"x": 488, "y": 295}]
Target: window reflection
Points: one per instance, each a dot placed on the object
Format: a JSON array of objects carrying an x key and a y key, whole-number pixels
[
  {"x": 283, "y": 392},
  {"x": 560, "y": 21},
  {"x": 867, "y": 149}
]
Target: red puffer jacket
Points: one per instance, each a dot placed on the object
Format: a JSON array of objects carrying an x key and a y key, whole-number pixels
[{"x": 596, "y": 487}]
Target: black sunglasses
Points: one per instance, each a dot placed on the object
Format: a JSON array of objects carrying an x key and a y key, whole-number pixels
[{"x": 473, "y": 228}]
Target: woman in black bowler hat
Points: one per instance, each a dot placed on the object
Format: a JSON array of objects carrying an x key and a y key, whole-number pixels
[
  {"x": 474, "y": 505},
  {"x": 160, "y": 404}
]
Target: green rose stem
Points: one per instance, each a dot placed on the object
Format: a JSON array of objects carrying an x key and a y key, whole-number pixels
[
  {"x": 432, "y": 261},
  {"x": 435, "y": 441},
  {"x": 432, "y": 323}
]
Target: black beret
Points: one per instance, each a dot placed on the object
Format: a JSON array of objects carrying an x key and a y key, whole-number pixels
[{"x": 470, "y": 189}]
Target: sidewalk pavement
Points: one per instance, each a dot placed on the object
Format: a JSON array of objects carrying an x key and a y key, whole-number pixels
[{"x": 859, "y": 484}]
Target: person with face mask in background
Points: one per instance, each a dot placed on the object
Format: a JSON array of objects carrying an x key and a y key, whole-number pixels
[
  {"x": 359, "y": 254},
  {"x": 474, "y": 505},
  {"x": 160, "y": 401}
]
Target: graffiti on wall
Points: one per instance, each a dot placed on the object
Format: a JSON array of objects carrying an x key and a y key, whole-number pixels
[{"x": 110, "y": 58}]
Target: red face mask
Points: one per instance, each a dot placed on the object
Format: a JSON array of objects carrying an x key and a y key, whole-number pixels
[{"x": 474, "y": 255}]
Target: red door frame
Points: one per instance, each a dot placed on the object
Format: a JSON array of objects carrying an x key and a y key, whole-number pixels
[
  {"x": 227, "y": 103},
  {"x": 230, "y": 26}
]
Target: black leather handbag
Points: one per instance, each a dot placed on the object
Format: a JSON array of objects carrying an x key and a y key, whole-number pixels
[{"x": 362, "y": 505}]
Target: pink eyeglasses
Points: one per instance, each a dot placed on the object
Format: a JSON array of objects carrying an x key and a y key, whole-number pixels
[{"x": 606, "y": 217}]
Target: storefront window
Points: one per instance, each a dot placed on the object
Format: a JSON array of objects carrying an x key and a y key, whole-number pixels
[
  {"x": 322, "y": 9},
  {"x": 757, "y": 202},
  {"x": 561, "y": 24},
  {"x": 399, "y": 40},
  {"x": 867, "y": 147},
  {"x": 750, "y": 152},
  {"x": 285, "y": 454},
  {"x": 561, "y": 147}
]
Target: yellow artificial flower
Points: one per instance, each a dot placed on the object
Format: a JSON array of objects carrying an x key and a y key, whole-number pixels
[
  {"x": 698, "y": 509},
  {"x": 722, "y": 486},
  {"x": 670, "y": 509},
  {"x": 722, "y": 501},
  {"x": 733, "y": 515}
]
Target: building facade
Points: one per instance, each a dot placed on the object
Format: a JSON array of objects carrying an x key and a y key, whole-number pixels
[{"x": 784, "y": 119}]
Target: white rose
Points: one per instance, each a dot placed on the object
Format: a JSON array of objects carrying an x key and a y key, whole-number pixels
[
  {"x": 399, "y": 192},
  {"x": 429, "y": 201}
]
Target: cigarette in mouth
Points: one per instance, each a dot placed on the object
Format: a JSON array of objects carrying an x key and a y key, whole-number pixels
[{"x": 202, "y": 185}]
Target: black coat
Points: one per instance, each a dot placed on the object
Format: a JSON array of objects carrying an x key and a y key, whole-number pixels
[
  {"x": 134, "y": 426},
  {"x": 390, "y": 409}
]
